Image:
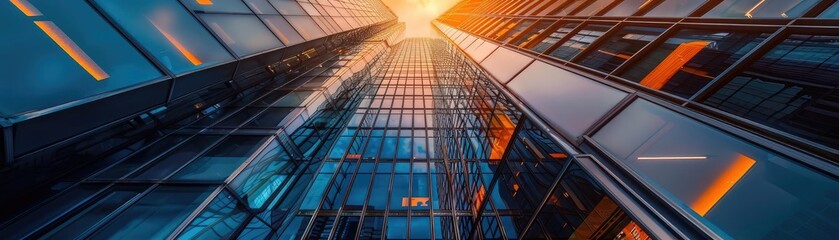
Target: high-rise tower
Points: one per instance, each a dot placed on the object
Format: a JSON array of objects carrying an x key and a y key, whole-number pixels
[{"x": 317, "y": 119}]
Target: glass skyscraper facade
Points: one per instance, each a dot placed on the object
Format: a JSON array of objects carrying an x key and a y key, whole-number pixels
[{"x": 317, "y": 119}]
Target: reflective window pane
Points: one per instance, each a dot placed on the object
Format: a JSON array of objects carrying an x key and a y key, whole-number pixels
[
  {"x": 222, "y": 160},
  {"x": 169, "y": 32},
  {"x": 791, "y": 88},
  {"x": 306, "y": 27},
  {"x": 691, "y": 58},
  {"x": 720, "y": 177},
  {"x": 280, "y": 27},
  {"x": 761, "y": 9},
  {"x": 156, "y": 215},
  {"x": 558, "y": 34},
  {"x": 619, "y": 47},
  {"x": 626, "y": 8},
  {"x": 831, "y": 12},
  {"x": 245, "y": 34},
  {"x": 62, "y": 51},
  {"x": 580, "y": 41},
  {"x": 675, "y": 8}
]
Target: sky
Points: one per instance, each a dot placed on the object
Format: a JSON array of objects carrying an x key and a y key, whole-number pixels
[{"x": 417, "y": 14}]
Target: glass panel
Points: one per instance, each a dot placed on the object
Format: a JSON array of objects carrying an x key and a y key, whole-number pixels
[
  {"x": 219, "y": 220},
  {"x": 593, "y": 8},
  {"x": 580, "y": 208},
  {"x": 156, "y": 215},
  {"x": 620, "y": 47},
  {"x": 721, "y": 177},
  {"x": 306, "y": 27},
  {"x": 580, "y": 41},
  {"x": 396, "y": 227},
  {"x": 831, "y": 12},
  {"x": 94, "y": 214},
  {"x": 675, "y": 8},
  {"x": 528, "y": 39},
  {"x": 761, "y": 9},
  {"x": 567, "y": 100},
  {"x": 552, "y": 39},
  {"x": 627, "y": 8},
  {"x": 169, "y": 32},
  {"x": 175, "y": 159},
  {"x": 282, "y": 29},
  {"x": 217, "y": 6},
  {"x": 371, "y": 228},
  {"x": 504, "y": 64},
  {"x": 61, "y": 57},
  {"x": 691, "y": 58},
  {"x": 142, "y": 157},
  {"x": 222, "y": 160},
  {"x": 420, "y": 227},
  {"x": 286, "y": 7},
  {"x": 268, "y": 172},
  {"x": 261, "y": 7},
  {"x": 244, "y": 34},
  {"x": 791, "y": 88}
]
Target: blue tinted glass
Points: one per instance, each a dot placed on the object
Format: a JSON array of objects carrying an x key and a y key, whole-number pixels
[
  {"x": 270, "y": 170},
  {"x": 219, "y": 220},
  {"x": 245, "y": 34},
  {"x": 371, "y": 228},
  {"x": 831, "y": 12},
  {"x": 355, "y": 199},
  {"x": 221, "y": 161},
  {"x": 420, "y": 227},
  {"x": 280, "y": 27},
  {"x": 141, "y": 157},
  {"x": 88, "y": 217},
  {"x": 396, "y": 227},
  {"x": 295, "y": 228},
  {"x": 169, "y": 33},
  {"x": 306, "y": 27},
  {"x": 156, "y": 215},
  {"x": 315, "y": 193},
  {"x": 400, "y": 197},
  {"x": 381, "y": 185},
  {"x": 62, "y": 53},
  {"x": 687, "y": 160},
  {"x": 791, "y": 88},
  {"x": 579, "y": 41},
  {"x": 175, "y": 159}
]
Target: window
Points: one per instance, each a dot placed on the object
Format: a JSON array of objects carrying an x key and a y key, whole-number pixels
[
  {"x": 567, "y": 100},
  {"x": 525, "y": 39},
  {"x": 831, "y": 12},
  {"x": 555, "y": 37},
  {"x": 580, "y": 41},
  {"x": 791, "y": 88},
  {"x": 593, "y": 8},
  {"x": 675, "y": 8},
  {"x": 63, "y": 51},
  {"x": 177, "y": 40},
  {"x": 733, "y": 184},
  {"x": 627, "y": 8},
  {"x": 619, "y": 47},
  {"x": 691, "y": 58},
  {"x": 761, "y": 9}
]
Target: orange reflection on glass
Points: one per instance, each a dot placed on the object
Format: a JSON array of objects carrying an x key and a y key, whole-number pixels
[
  {"x": 26, "y": 7},
  {"x": 751, "y": 10},
  {"x": 72, "y": 49},
  {"x": 416, "y": 202},
  {"x": 204, "y": 2},
  {"x": 187, "y": 54},
  {"x": 722, "y": 184},
  {"x": 674, "y": 62}
]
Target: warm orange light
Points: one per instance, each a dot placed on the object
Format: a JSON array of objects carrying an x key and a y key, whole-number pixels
[
  {"x": 353, "y": 156},
  {"x": 722, "y": 184},
  {"x": 187, "y": 54},
  {"x": 645, "y": 4},
  {"x": 204, "y": 2},
  {"x": 26, "y": 7},
  {"x": 751, "y": 10},
  {"x": 559, "y": 155},
  {"x": 501, "y": 136},
  {"x": 277, "y": 32},
  {"x": 674, "y": 62},
  {"x": 72, "y": 49},
  {"x": 416, "y": 201}
]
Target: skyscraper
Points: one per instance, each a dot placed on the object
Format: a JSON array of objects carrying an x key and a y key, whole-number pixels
[{"x": 524, "y": 119}]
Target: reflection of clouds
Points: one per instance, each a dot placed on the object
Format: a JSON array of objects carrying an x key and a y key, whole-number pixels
[{"x": 418, "y": 14}]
